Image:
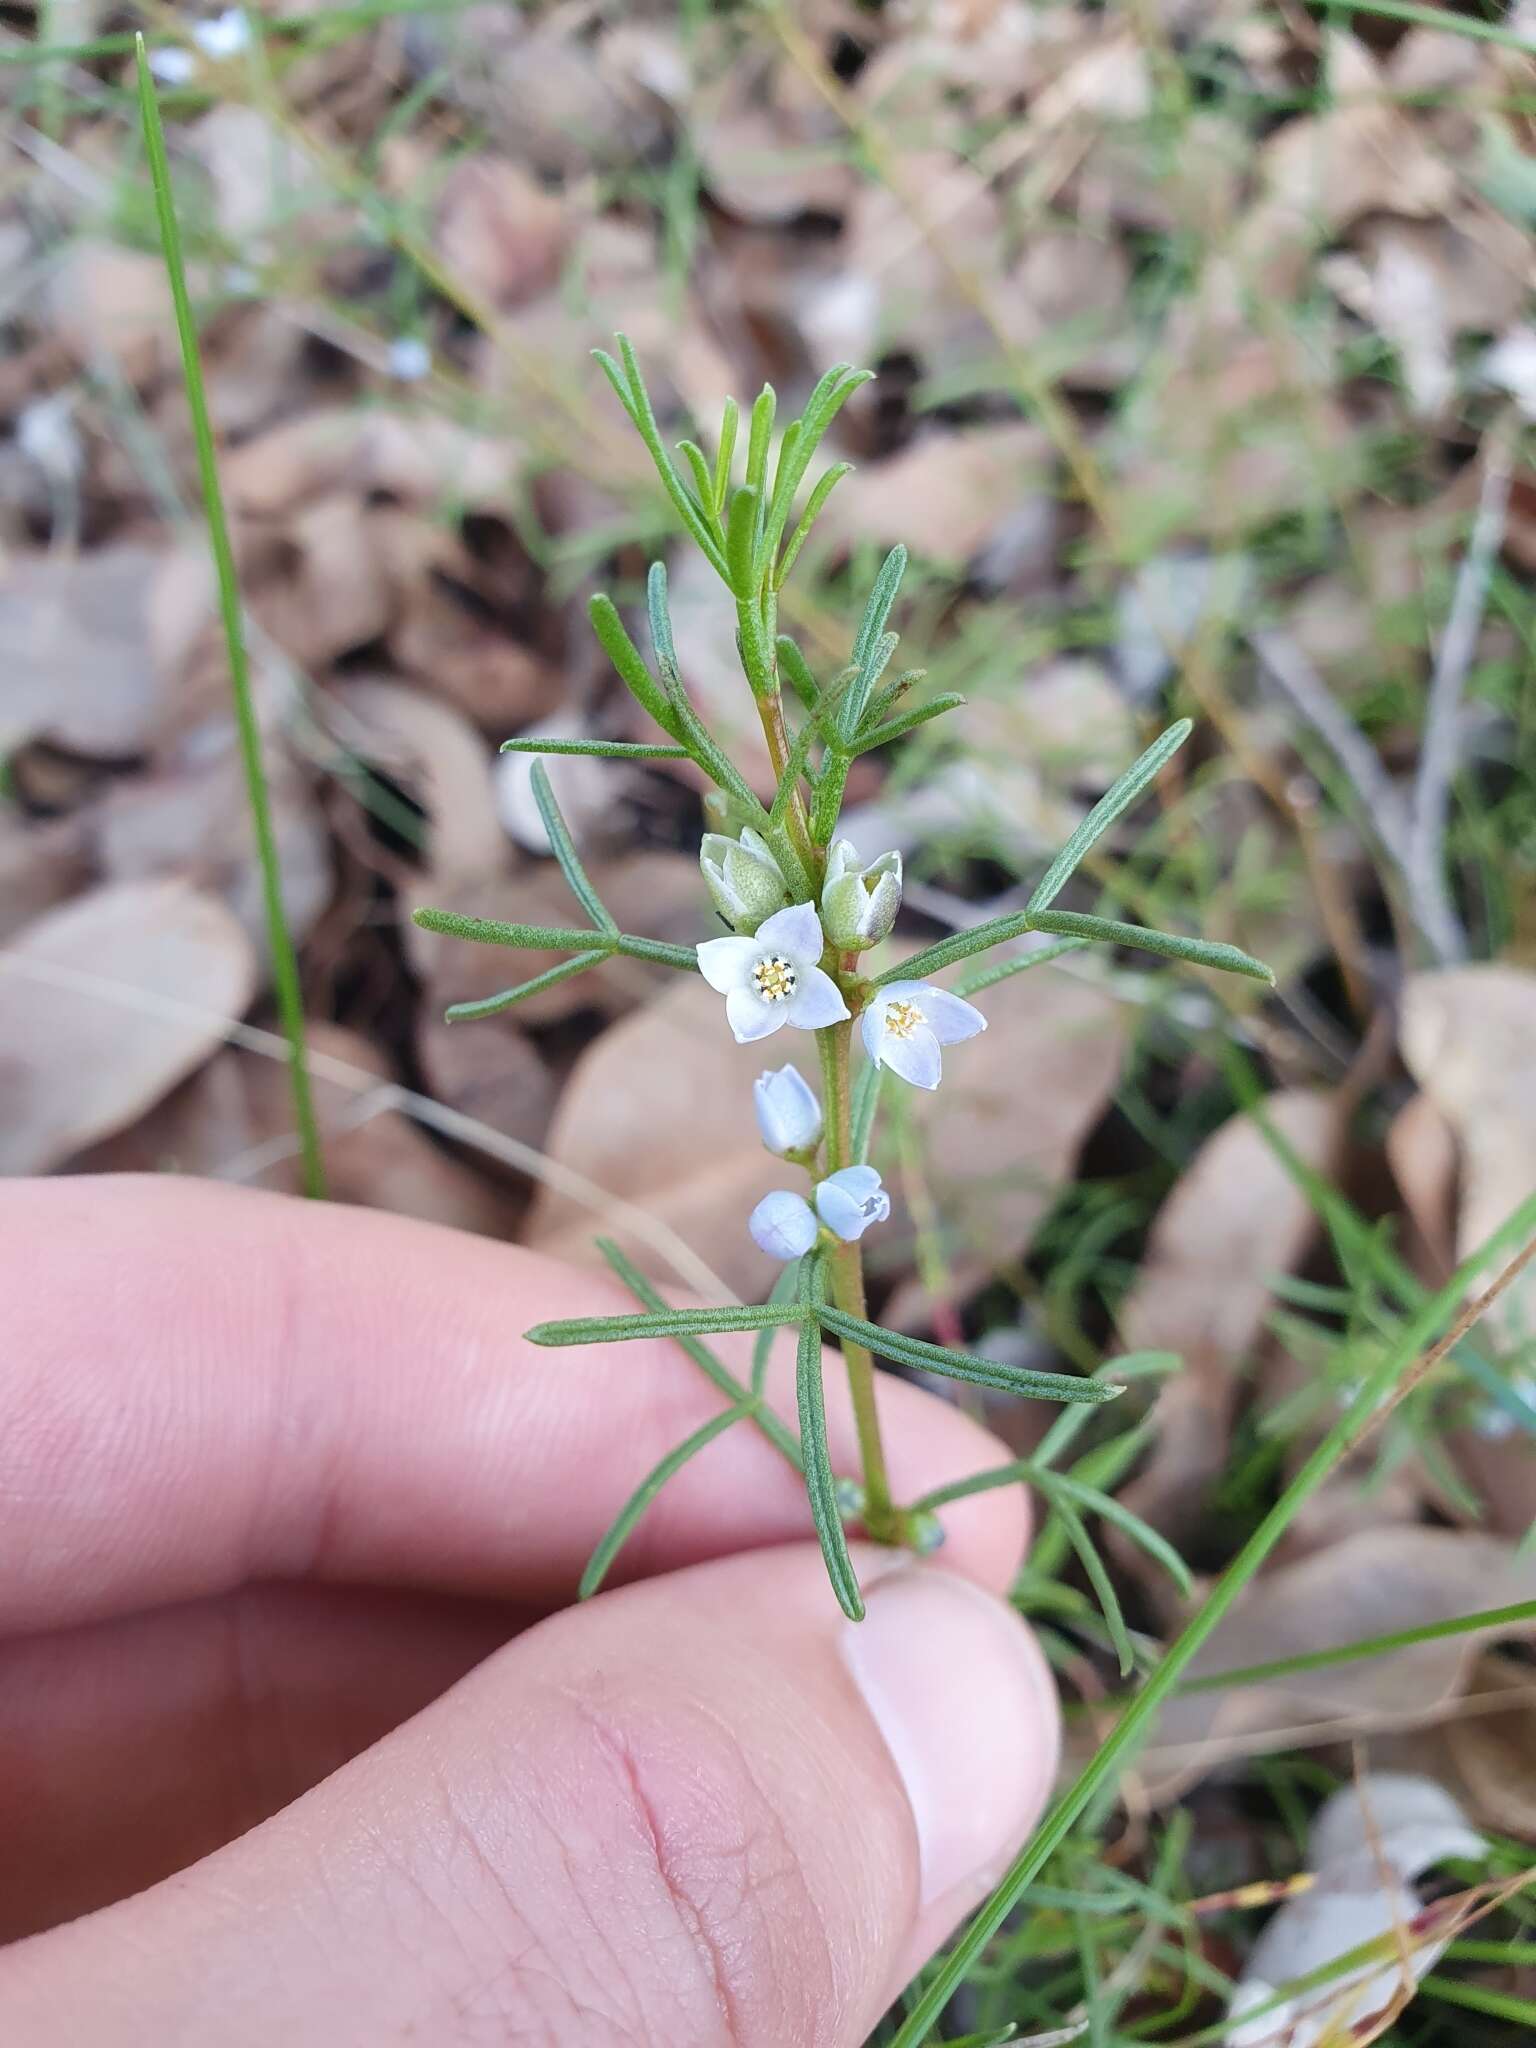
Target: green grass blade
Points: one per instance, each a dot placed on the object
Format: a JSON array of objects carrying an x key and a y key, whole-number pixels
[
  {"x": 285, "y": 966},
  {"x": 563, "y": 847},
  {"x": 601, "y": 750},
  {"x": 1171, "y": 945},
  {"x": 1137, "y": 1720},
  {"x": 622, "y": 1527},
  {"x": 665, "y": 1322},
  {"x": 1146, "y": 1538},
  {"x": 714, "y": 1369},
  {"x": 1098, "y": 1578},
  {"x": 1518, "y": 1616},
  {"x": 820, "y": 1480},
  {"x": 1116, "y": 800},
  {"x": 961, "y": 1365}
]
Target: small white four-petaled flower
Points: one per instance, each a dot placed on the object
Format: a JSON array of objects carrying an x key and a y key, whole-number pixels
[
  {"x": 775, "y": 978},
  {"x": 785, "y": 1225},
  {"x": 908, "y": 1021}
]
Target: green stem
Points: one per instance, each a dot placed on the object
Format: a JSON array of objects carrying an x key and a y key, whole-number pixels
[
  {"x": 770, "y": 709},
  {"x": 285, "y": 968},
  {"x": 845, "y": 1269}
]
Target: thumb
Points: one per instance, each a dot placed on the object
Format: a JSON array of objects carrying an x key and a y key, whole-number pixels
[{"x": 704, "y": 1809}]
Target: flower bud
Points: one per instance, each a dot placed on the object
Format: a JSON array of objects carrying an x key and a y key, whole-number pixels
[
  {"x": 859, "y": 905},
  {"x": 743, "y": 879},
  {"x": 783, "y": 1225},
  {"x": 849, "y": 1200},
  {"x": 788, "y": 1114}
]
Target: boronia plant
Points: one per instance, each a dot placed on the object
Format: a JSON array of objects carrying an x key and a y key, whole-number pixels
[{"x": 803, "y": 912}]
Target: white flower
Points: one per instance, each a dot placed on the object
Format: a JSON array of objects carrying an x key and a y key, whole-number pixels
[
  {"x": 774, "y": 979},
  {"x": 783, "y": 1225},
  {"x": 171, "y": 64},
  {"x": 859, "y": 905},
  {"x": 225, "y": 36},
  {"x": 907, "y": 1023},
  {"x": 743, "y": 878},
  {"x": 788, "y": 1114},
  {"x": 849, "y": 1200},
  {"x": 409, "y": 358}
]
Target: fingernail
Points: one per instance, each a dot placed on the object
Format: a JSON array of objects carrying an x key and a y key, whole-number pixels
[{"x": 962, "y": 1697}]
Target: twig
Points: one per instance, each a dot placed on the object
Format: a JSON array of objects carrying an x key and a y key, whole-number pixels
[{"x": 1440, "y": 751}]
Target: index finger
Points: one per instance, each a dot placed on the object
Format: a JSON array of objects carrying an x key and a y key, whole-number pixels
[{"x": 203, "y": 1386}]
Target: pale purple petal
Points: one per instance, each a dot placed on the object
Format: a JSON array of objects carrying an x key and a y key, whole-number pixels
[
  {"x": 850, "y": 1200},
  {"x": 749, "y": 1018},
  {"x": 916, "y": 1058},
  {"x": 817, "y": 1002},
  {"x": 783, "y": 1225},
  {"x": 725, "y": 963},
  {"x": 795, "y": 932},
  {"x": 950, "y": 1018}
]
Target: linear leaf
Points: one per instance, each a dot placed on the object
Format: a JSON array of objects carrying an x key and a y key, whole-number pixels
[
  {"x": 730, "y": 419},
  {"x": 1171, "y": 945},
  {"x": 740, "y": 534},
  {"x": 492, "y": 1006},
  {"x": 784, "y": 1289},
  {"x": 959, "y": 946},
  {"x": 667, "y": 1322},
  {"x": 563, "y": 847},
  {"x": 825, "y": 485},
  {"x": 703, "y": 481},
  {"x": 759, "y": 436},
  {"x": 622, "y": 1527},
  {"x": 1103, "y": 1586},
  {"x": 896, "y": 728},
  {"x": 489, "y": 931},
  {"x": 638, "y": 406},
  {"x": 627, "y": 660},
  {"x": 664, "y": 955},
  {"x": 963, "y": 1365},
  {"x": 795, "y": 668},
  {"x": 871, "y": 628},
  {"x": 1117, "y": 799},
  {"x": 1146, "y": 1538},
  {"x": 820, "y": 1480},
  {"x": 601, "y": 750},
  {"x": 659, "y": 611},
  {"x": 714, "y": 1368},
  {"x": 866, "y": 1101}
]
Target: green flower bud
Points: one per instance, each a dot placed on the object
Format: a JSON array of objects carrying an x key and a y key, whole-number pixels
[
  {"x": 743, "y": 879},
  {"x": 859, "y": 905}
]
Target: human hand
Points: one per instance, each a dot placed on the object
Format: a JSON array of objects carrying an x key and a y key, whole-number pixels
[{"x": 290, "y": 1518}]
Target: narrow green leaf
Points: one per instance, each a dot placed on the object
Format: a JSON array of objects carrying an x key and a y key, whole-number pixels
[
  {"x": 1098, "y": 1578},
  {"x": 622, "y": 1527},
  {"x": 794, "y": 768},
  {"x": 920, "y": 714},
  {"x": 657, "y": 950},
  {"x": 1171, "y": 945},
  {"x": 1116, "y": 800},
  {"x": 667, "y": 1322},
  {"x": 599, "y": 750},
  {"x": 820, "y": 1480},
  {"x": 489, "y": 931},
  {"x": 796, "y": 671},
  {"x": 618, "y": 380},
  {"x": 824, "y": 487},
  {"x": 641, "y": 413},
  {"x": 492, "y": 1006},
  {"x": 285, "y": 967},
  {"x": 1146, "y": 1538},
  {"x": 778, "y": 500},
  {"x": 759, "y": 438},
  {"x": 871, "y": 630},
  {"x": 1125, "y": 1370},
  {"x": 959, "y": 946},
  {"x": 1018, "y": 963},
  {"x": 785, "y": 1288},
  {"x": 703, "y": 482},
  {"x": 740, "y": 540},
  {"x": 626, "y": 658},
  {"x": 659, "y": 611},
  {"x": 827, "y": 803},
  {"x": 714, "y": 1368},
  {"x": 563, "y": 847},
  {"x": 730, "y": 419},
  {"x": 879, "y": 705},
  {"x": 963, "y": 1365}
]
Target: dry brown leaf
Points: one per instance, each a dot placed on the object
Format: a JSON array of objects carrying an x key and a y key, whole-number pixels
[
  {"x": 944, "y": 496},
  {"x": 76, "y": 652},
  {"x": 489, "y": 1071},
  {"x": 195, "y": 823},
  {"x": 110, "y": 305},
  {"x": 321, "y": 587},
  {"x": 995, "y": 1145},
  {"x": 1495, "y": 1752},
  {"x": 1469, "y": 1039},
  {"x": 500, "y": 234},
  {"x": 233, "y": 1120},
  {"x": 658, "y": 1112},
  {"x": 74, "y": 1066},
  {"x": 1421, "y": 1151},
  {"x": 416, "y": 459},
  {"x": 263, "y": 181},
  {"x": 1376, "y": 1583},
  {"x": 43, "y": 861},
  {"x": 439, "y": 761},
  {"x": 1235, "y": 1220}
]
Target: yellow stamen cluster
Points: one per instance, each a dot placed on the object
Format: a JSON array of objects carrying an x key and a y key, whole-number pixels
[
  {"x": 775, "y": 979},
  {"x": 902, "y": 1018}
]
